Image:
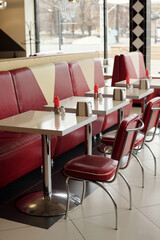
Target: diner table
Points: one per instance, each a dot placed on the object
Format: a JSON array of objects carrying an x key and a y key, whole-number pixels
[
  {"x": 47, "y": 202},
  {"x": 102, "y": 106},
  {"x": 154, "y": 83},
  {"x": 131, "y": 93}
]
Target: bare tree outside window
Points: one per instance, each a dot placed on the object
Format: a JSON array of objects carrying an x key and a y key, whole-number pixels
[
  {"x": 155, "y": 36},
  {"x": 80, "y": 27},
  {"x": 82, "y": 21}
]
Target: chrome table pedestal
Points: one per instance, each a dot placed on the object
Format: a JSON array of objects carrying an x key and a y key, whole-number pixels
[
  {"x": 38, "y": 205},
  {"x": 46, "y": 203}
]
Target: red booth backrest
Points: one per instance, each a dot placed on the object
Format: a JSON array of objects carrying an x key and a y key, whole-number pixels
[
  {"x": 29, "y": 94},
  {"x": 63, "y": 84},
  {"x": 8, "y": 101},
  {"x": 98, "y": 73},
  {"x": 84, "y": 74},
  {"x": 36, "y": 86},
  {"x": 128, "y": 64}
]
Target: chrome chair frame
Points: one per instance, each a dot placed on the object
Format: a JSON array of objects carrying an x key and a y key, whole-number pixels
[
  {"x": 145, "y": 143},
  {"x": 135, "y": 150},
  {"x": 99, "y": 183}
]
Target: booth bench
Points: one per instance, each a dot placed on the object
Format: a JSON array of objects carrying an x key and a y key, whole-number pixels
[
  {"x": 31, "y": 87},
  {"x": 130, "y": 64}
]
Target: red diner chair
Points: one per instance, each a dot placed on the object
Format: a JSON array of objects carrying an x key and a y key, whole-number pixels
[
  {"x": 100, "y": 169},
  {"x": 150, "y": 118}
]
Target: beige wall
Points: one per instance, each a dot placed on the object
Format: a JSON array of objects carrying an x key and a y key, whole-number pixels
[
  {"x": 8, "y": 64},
  {"x": 12, "y": 21}
]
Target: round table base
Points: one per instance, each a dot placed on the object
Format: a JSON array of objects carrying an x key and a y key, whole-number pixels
[{"x": 35, "y": 204}]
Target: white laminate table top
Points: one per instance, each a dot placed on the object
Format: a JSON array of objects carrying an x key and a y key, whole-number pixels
[
  {"x": 45, "y": 123},
  {"x": 131, "y": 93},
  {"x": 154, "y": 83},
  {"x": 103, "y": 107}
]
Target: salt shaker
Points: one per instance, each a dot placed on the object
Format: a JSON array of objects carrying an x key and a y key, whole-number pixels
[
  {"x": 100, "y": 96},
  {"x": 63, "y": 110}
]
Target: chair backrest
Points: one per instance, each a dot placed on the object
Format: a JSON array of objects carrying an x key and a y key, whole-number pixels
[
  {"x": 151, "y": 114},
  {"x": 126, "y": 135},
  {"x": 128, "y": 64}
]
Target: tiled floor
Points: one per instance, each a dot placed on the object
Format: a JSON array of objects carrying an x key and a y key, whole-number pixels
[{"x": 94, "y": 220}]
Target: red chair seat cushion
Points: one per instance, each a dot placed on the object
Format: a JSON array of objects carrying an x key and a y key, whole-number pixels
[
  {"x": 108, "y": 138},
  {"x": 91, "y": 167}
]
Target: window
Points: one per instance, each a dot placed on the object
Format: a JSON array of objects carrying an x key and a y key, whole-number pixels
[
  {"x": 155, "y": 36},
  {"x": 118, "y": 28},
  {"x": 70, "y": 27}
]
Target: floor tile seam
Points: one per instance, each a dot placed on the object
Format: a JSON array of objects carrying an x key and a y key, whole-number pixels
[
  {"x": 110, "y": 212},
  {"x": 132, "y": 181},
  {"x": 124, "y": 197},
  {"x": 134, "y": 162},
  {"x": 143, "y": 160},
  {"x": 94, "y": 215},
  {"x": 138, "y": 210},
  {"x": 77, "y": 229},
  {"x": 149, "y": 157},
  {"x": 150, "y": 220},
  {"x": 147, "y": 218},
  {"x": 151, "y": 170},
  {"x": 153, "y": 205},
  {"x": 148, "y": 160},
  {"x": 16, "y": 228},
  {"x": 105, "y": 214},
  {"x": 145, "y": 167},
  {"x": 140, "y": 207},
  {"x": 112, "y": 187},
  {"x": 100, "y": 214},
  {"x": 132, "y": 202},
  {"x": 132, "y": 186}
]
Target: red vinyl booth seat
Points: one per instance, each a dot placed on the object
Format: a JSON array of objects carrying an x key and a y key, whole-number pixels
[
  {"x": 31, "y": 97},
  {"x": 24, "y": 89},
  {"x": 19, "y": 153}
]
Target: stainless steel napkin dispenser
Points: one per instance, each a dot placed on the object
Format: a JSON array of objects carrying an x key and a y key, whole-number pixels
[
  {"x": 119, "y": 94},
  {"x": 84, "y": 109},
  {"x": 144, "y": 84}
]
